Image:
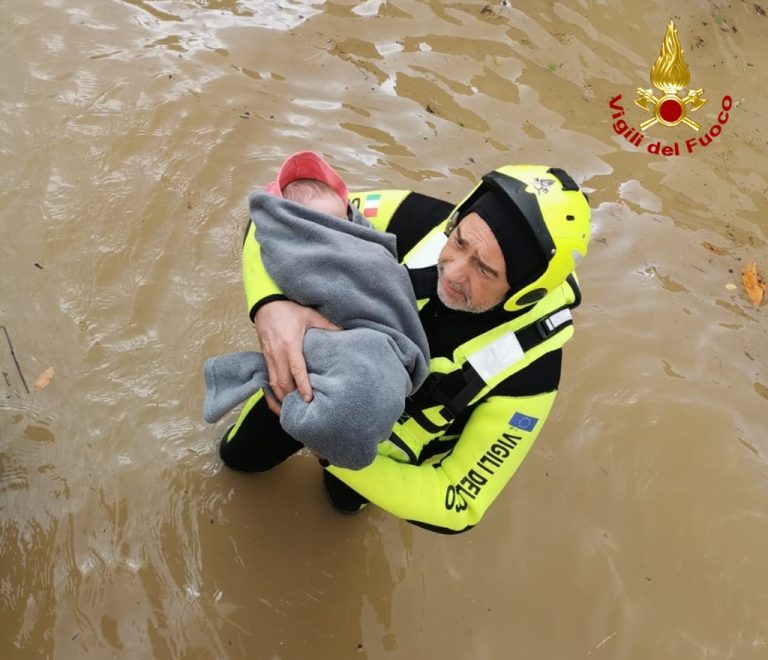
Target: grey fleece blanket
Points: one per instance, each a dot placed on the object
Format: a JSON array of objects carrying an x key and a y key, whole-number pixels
[{"x": 360, "y": 376}]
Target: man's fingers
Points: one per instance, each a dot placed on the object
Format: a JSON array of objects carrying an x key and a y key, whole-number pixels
[
  {"x": 324, "y": 324},
  {"x": 280, "y": 380},
  {"x": 281, "y": 326},
  {"x": 282, "y": 386},
  {"x": 272, "y": 403},
  {"x": 300, "y": 376}
]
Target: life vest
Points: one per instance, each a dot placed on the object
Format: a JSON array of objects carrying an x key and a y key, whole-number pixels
[{"x": 484, "y": 361}]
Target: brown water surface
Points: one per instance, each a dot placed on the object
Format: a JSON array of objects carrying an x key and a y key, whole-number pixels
[{"x": 131, "y": 134}]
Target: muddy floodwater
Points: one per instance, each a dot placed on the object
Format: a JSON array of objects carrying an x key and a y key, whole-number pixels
[{"x": 130, "y": 135}]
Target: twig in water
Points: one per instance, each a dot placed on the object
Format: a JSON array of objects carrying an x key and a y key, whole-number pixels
[{"x": 15, "y": 361}]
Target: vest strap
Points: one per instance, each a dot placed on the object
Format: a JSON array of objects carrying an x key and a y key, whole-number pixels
[
  {"x": 511, "y": 347},
  {"x": 487, "y": 363}
]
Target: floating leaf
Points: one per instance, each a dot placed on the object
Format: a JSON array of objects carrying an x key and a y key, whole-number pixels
[
  {"x": 44, "y": 379},
  {"x": 754, "y": 285}
]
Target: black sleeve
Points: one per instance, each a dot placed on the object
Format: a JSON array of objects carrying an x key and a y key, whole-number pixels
[{"x": 413, "y": 219}]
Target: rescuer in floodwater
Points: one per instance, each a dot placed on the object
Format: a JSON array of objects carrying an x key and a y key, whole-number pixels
[{"x": 494, "y": 282}]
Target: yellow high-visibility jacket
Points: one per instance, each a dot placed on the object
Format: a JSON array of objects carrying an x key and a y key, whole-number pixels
[{"x": 448, "y": 459}]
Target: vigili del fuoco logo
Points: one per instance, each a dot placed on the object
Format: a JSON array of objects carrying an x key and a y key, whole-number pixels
[{"x": 669, "y": 75}]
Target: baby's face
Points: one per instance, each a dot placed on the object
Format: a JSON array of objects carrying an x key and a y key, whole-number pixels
[{"x": 329, "y": 204}]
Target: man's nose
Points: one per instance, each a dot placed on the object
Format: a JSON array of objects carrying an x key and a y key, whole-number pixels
[{"x": 456, "y": 269}]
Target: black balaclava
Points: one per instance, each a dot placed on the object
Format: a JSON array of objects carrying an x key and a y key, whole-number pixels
[{"x": 522, "y": 254}]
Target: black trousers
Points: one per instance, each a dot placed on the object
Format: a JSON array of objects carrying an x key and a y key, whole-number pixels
[{"x": 257, "y": 443}]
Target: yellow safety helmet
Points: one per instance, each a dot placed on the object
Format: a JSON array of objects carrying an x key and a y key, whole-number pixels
[{"x": 556, "y": 211}]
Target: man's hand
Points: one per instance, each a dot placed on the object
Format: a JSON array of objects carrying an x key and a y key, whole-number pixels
[{"x": 281, "y": 325}]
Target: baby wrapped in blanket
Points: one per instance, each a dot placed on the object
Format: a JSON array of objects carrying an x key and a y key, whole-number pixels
[{"x": 324, "y": 254}]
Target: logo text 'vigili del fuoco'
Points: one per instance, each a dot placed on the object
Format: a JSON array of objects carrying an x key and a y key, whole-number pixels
[{"x": 669, "y": 75}]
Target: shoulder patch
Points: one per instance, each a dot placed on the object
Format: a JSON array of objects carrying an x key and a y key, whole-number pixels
[{"x": 523, "y": 422}]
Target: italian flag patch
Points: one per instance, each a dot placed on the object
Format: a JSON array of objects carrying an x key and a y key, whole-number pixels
[{"x": 371, "y": 206}]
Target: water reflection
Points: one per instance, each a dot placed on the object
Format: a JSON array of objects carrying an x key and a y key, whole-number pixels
[{"x": 284, "y": 15}]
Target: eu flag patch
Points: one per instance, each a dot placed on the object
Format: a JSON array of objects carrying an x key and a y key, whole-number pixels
[{"x": 523, "y": 422}]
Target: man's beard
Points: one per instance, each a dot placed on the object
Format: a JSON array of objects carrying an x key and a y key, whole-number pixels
[{"x": 462, "y": 306}]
